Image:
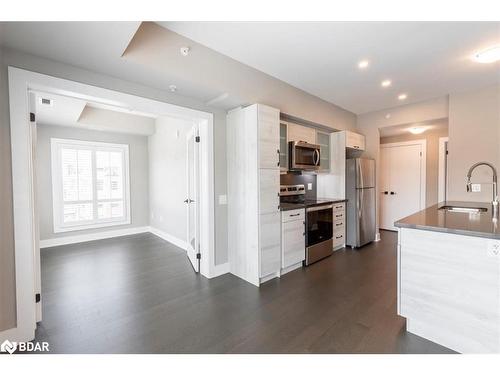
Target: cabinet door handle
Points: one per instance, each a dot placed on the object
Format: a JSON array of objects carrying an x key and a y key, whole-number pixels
[
  {"x": 278, "y": 151},
  {"x": 393, "y": 193},
  {"x": 294, "y": 215}
]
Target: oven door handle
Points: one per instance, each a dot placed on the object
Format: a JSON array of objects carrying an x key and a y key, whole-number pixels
[{"x": 318, "y": 208}]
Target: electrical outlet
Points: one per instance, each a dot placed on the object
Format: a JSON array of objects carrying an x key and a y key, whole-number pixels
[
  {"x": 494, "y": 249},
  {"x": 476, "y": 188}
]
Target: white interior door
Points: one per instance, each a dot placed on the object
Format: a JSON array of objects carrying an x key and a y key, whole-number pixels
[
  {"x": 402, "y": 182},
  {"x": 192, "y": 199}
]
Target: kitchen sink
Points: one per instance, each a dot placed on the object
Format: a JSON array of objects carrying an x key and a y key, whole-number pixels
[{"x": 471, "y": 210}]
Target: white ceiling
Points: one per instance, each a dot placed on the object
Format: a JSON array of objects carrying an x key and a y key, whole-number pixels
[
  {"x": 72, "y": 112},
  {"x": 431, "y": 126},
  {"x": 424, "y": 60}
]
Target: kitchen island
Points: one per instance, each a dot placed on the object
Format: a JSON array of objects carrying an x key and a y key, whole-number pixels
[{"x": 449, "y": 276}]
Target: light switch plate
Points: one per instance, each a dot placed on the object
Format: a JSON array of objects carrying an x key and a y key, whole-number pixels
[
  {"x": 476, "y": 188},
  {"x": 309, "y": 186},
  {"x": 223, "y": 199},
  {"x": 494, "y": 249}
]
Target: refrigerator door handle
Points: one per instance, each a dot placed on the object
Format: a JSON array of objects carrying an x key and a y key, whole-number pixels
[{"x": 361, "y": 203}]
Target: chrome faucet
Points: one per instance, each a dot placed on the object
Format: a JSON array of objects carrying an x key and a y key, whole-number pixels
[{"x": 494, "y": 202}]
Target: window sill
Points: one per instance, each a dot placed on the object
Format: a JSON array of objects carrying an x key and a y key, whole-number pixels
[{"x": 91, "y": 226}]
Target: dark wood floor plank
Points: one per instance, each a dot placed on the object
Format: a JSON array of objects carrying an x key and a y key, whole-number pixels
[{"x": 138, "y": 294}]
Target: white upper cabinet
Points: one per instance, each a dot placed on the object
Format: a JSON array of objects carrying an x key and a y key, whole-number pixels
[
  {"x": 323, "y": 140},
  {"x": 354, "y": 140},
  {"x": 301, "y": 133},
  {"x": 269, "y": 137}
]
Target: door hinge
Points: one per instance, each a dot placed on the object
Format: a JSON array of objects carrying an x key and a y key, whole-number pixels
[
  {"x": 420, "y": 153},
  {"x": 197, "y": 139},
  {"x": 198, "y": 256},
  {"x": 446, "y": 152},
  {"x": 37, "y": 297},
  {"x": 32, "y": 117}
]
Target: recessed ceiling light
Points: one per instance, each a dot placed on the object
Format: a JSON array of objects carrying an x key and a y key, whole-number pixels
[
  {"x": 402, "y": 96},
  {"x": 363, "y": 64},
  {"x": 417, "y": 130},
  {"x": 172, "y": 88},
  {"x": 388, "y": 115},
  {"x": 488, "y": 56},
  {"x": 386, "y": 83}
]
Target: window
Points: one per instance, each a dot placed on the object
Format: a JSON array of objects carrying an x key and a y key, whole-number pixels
[{"x": 90, "y": 184}]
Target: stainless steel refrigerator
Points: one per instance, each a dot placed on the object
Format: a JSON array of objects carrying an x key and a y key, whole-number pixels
[{"x": 360, "y": 194}]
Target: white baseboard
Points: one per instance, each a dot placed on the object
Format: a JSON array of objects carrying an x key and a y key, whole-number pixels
[
  {"x": 291, "y": 268},
  {"x": 220, "y": 269},
  {"x": 169, "y": 238},
  {"x": 91, "y": 236}
]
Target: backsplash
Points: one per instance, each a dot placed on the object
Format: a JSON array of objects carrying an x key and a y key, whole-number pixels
[{"x": 296, "y": 179}]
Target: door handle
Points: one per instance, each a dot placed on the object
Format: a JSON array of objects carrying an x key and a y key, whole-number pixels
[
  {"x": 278, "y": 151},
  {"x": 385, "y": 192},
  {"x": 316, "y": 159},
  {"x": 393, "y": 193},
  {"x": 186, "y": 200}
]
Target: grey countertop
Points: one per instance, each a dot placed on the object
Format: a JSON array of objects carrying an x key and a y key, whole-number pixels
[
  {"x": 310, "y": 203},
  {"x": 468, "y": 224}
]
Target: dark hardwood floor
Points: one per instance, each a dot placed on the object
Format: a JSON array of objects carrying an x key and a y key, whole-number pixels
[{"x": 138, "y": 294}]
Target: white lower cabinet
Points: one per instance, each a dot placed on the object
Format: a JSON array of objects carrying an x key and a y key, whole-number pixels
[
  {"x": 292, "y": 238},
  {"x": 270, "y": 244}
]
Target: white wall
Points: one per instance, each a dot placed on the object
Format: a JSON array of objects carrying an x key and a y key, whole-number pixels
[
  {"x": 138, "y": 166},
  {"x": 167, "y": 177},
  {"x": 474, "y": 136}
]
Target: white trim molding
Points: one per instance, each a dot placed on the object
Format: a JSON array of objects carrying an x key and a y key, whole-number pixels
[
  {"x": 220, "y": 269},
  {"x": 442, "y": 170},
  {"x": 169, "y": 238},
  {"x": 67, "y": 240}
]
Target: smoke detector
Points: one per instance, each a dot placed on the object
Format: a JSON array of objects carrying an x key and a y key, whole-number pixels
[
  {"x": 46, "y": 101},
  {"x": 172, "y": 88},
  {"x": 185, "y": 51}
]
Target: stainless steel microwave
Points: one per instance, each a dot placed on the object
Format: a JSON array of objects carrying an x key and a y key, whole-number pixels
[{"x": 304, "y": 156}]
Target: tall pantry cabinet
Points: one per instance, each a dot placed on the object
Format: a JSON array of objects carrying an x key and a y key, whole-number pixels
[{"x": 253, "y": 182}]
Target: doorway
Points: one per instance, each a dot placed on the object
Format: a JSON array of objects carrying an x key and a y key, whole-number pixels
[
  {"x": 23, "y": 136},
  {"x": 402, "y": 181}
]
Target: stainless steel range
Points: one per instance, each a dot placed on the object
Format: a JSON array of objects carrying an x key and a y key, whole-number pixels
[{"x": 319, "y": 222}]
